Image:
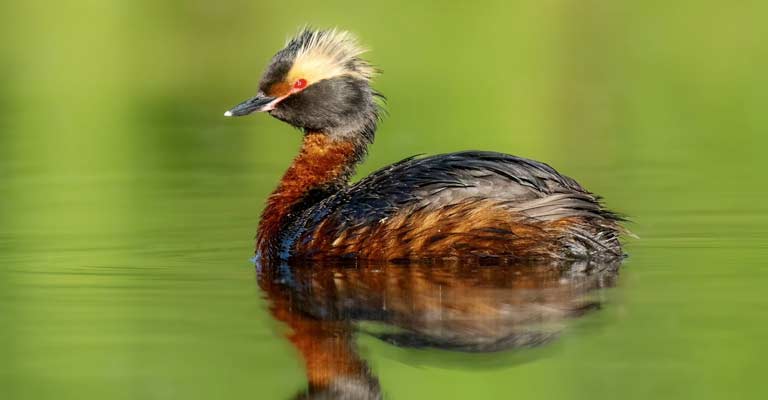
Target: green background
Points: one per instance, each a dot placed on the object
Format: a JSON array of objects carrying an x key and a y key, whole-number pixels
[{"x": 128, "y": 203}]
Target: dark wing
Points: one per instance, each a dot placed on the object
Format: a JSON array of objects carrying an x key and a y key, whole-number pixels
[{"x": 527, "y": 186}]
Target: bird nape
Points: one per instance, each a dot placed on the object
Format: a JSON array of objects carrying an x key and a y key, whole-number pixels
[{"x": 472, "y": 204}]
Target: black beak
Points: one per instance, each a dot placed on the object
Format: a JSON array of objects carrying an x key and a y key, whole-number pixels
[{"x": 257, "y": 103}]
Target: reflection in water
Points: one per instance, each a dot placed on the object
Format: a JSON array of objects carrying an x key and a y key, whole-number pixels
[{"x": 447, "y": 305}]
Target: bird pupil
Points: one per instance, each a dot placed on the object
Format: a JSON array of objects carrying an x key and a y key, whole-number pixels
[{"x": 300, "y": 84}]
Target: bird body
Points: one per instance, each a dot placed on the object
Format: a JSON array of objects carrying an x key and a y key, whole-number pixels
[{"x": 466, "y": 204}]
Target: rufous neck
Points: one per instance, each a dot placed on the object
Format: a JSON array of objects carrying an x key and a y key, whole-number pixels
[{"x": 323, "y": 164}]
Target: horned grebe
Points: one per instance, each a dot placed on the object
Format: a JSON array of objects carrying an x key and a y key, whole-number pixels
[{"x": 467, "y": 204}]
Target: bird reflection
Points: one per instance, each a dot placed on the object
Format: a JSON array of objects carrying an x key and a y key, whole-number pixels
[{"x": 451, "y": 305}]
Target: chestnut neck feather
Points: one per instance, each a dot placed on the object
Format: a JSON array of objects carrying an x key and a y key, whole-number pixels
[{"x": 323, "y": 163}]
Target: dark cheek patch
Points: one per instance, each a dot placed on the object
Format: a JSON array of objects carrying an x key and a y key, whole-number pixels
[{"x": 329, "y": 103}]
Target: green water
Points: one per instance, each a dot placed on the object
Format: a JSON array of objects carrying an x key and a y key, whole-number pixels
[{"x": 129, "y": 203}]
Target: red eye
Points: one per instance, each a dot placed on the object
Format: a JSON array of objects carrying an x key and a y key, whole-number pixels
[{"x": 300, "y": 84}]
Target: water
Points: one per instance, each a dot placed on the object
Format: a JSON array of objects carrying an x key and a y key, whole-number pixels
[
  {"x": 484, "y": 313},
  {"x": 129, "y": 205}
]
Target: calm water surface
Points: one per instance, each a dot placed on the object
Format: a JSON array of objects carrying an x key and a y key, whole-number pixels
[
  {"x": 129, "y": 205},
  {"x": 140, "y": 286}
]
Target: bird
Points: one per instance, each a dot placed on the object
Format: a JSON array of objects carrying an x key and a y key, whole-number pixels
[{"x": 470, "y": 204}]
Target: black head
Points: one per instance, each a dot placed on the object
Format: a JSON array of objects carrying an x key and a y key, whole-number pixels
[{"x": 318, "y": 83}]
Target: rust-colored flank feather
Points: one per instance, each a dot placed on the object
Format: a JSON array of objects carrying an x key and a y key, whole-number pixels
[{"x": 472, "y": 228}]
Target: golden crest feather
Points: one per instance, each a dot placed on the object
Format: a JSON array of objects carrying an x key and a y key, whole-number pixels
[{"x": 324, "y": 54}]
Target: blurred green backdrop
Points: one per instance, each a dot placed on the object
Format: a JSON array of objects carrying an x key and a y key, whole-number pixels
[{"x": 129, "y": 203}]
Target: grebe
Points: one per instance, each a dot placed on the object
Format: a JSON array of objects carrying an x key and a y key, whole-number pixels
[{"x": 467, "y": 204}]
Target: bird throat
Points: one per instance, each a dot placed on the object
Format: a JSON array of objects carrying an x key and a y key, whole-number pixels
[{"x": 324, "y": 164}]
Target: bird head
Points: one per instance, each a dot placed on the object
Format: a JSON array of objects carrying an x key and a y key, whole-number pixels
[{"x": 318, "y": 83}]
